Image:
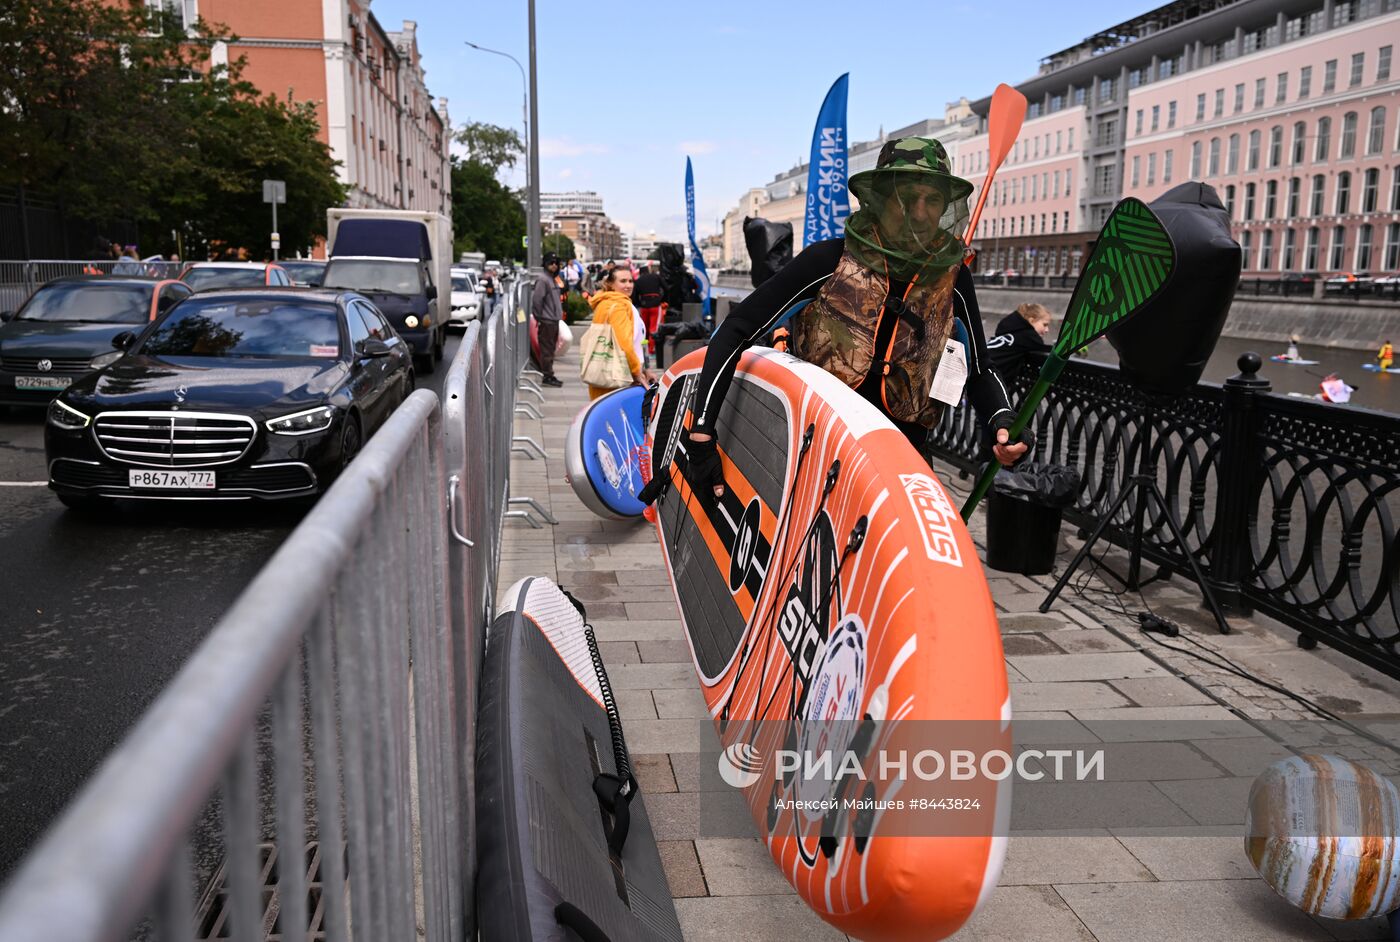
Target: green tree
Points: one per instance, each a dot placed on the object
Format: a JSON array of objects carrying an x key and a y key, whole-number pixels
[
  {"x": 118, "y": 114},
  {"x": 559, "y": 244},
  {"x": 487, "y": 216}
]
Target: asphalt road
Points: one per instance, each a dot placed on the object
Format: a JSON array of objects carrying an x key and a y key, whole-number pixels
[{"x": 97, "y": 615}]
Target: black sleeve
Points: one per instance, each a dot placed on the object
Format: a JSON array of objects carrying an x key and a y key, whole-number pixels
[
  {"x": 984, "y": 388},
  {"x": 799, "y": 279}
]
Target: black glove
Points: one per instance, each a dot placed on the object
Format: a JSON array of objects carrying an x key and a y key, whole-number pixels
[
  {"x": 703, "y": 468},
  {"x": 654, "y": 488},
  {"x": 1004, "y": 420}
]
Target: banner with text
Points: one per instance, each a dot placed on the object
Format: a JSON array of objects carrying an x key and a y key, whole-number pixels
[
  {"x": 828, "y": 202},
  {"x": 697, "y": 259}
]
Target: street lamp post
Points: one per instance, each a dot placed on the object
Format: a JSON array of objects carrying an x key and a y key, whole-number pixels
[{"x": 531, "y": 143}]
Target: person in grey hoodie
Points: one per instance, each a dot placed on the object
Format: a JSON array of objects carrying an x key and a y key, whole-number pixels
[{"x": 547, "y": 311}]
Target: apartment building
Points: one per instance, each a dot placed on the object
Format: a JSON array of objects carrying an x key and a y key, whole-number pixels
[
  {"x": 368, "y": 85},
  {"x": 1287, "y": 107}
]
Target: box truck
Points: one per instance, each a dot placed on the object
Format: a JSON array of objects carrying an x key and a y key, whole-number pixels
[{"x": 401, "y": 260}]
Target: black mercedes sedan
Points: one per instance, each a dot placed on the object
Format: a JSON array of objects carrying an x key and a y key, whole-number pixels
[{"x": 239, "y": 394}]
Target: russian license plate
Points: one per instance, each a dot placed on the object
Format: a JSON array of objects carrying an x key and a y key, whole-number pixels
[
  {"x": 173, "y": 480},
  {"x": 43, "y": 382}
]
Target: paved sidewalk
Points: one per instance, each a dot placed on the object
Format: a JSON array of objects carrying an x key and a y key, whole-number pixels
[{"x": 1080, "y": 663}]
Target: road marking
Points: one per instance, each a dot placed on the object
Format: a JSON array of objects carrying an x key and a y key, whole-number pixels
[{"x": 24, "y": 483}]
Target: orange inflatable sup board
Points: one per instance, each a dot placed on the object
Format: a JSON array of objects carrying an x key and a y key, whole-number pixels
[{"x": 833, "y": 592}]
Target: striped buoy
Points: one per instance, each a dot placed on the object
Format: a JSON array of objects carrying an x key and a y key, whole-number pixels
[{"x": 1324, "y": 832}]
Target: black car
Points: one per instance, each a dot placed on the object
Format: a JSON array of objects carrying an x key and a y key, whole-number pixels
[
  {"x": 262, "y": 393},
  {"x": 65, "y": 329}
]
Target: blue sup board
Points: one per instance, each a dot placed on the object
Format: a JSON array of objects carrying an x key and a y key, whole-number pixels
[
  {"x": 1375, "y": 368},
  {"x": 604, "y": 454}
]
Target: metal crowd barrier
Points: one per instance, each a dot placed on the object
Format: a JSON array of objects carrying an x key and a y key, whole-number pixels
[{"x": 311, "y": 766}]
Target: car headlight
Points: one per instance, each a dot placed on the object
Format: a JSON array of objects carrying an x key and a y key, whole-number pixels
[
  {"x": 65, "y": 416},
  {"x": 105, "y": 359},
  {"x": 302, "y": 423},
  {"x": 410, "y": 322}
]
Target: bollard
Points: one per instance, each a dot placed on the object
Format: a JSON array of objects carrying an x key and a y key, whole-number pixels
[{"x": 1240, "y": 479}]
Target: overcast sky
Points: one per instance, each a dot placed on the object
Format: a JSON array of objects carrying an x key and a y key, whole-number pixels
[{"x": 736, "y": 84}]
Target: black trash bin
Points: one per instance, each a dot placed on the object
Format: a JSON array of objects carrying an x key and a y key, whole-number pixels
[{"x": 1023, "y": 517}]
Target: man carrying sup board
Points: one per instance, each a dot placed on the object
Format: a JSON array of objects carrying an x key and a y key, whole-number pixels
[{"x": 876, "y": 309}]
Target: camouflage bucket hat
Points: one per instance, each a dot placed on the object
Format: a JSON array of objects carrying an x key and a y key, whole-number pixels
[{"x": 913, "y": 155}]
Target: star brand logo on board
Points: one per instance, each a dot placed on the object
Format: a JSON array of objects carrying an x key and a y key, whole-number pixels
[{"x": 936, "y": 516}]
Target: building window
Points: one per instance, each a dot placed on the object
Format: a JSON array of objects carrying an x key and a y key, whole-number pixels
[
  {"x": 1195, "y": 160},
  {"x": 1067, "y": 220},
  {"x": 1319, "y": 187},
  {"x": 1275, "y": 145},
  {"x": 1167, "y": 68},
  {"x": 1310, "y": 251},
  {"x": 1370, "y": 190},
  {"x": 1258, "y": 95},
  {"x": 1156, "y": 116},
  {"x": 1201, "y": 106},
  {"x": 1271, "y": 199},
  {"x": 1057, "y": 103},
  {"x": 1167, "y": 168},
  {"x": 1137, "y": 171},
  {"x": 1171, "y": 114},
  {"x": 1232, "y": 155},
  {"x": 1290, "y": 238},
  {"x": 1151, "y": 170},
  {"x": 1375, "y": 136},
  {"x": 1251, "y": 42},
  {"x": 1300, "y": 137},
  {"x": 1358, "y": 65},
  {"x": 1103, "y": 180},
  {"x": 1135, "y": 78},
  {"x": 1295, "y": 188},
  {"x": 1246, "y": 240},
  {"x": 1230, "y": 200},
  {"x": 1363, "y": 248},
  {"x": 1383, "y": 64},
  {"x": 1059, "y": 141},
  {"x": 1293, "y": 30},
  {"x": 1324, "y": 135},
  {"x": 1338, "y": 248},
  {"x": 1249, "y": 189},
  {"x": 1079, "y": 94},
  {"x": 1392, "y": 246},
  {"x": 1034, "y": 110},
  {"x": 1342, "y": 14},
  {"x": 1281, "y": 91},
  {"x": 1137, "y": 123},
  {"x": 1239, "y": 97},
  {"x": 1347, "y": 147},
  {"x": 1219, "y": 102},
  {"x": 1304, "y": 82},
  {"x": 1214, "y": 167},
  {"x": 1343, "y": 192},
  {"x": 1395, "y": 191},
  {"x": 1069, "y": 138},
  {"x": 1329, "y": 77},
  {"x": 1108, "y": 132},
  {"x": 1106, "y": 89},
  {"x": 1266, "y": 249},
  {"x": 1253, "y": 162}
]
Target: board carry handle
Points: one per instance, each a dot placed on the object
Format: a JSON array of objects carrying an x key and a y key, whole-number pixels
[{"x": 571, "y": 917}]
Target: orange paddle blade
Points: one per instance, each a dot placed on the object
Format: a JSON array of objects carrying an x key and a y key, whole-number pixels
[{"x": 1004, "y": 120}]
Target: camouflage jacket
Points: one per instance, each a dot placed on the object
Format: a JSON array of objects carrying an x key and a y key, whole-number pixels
[{"x": 837, "y": 332}]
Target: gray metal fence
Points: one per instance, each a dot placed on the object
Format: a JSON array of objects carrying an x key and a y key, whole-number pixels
[
  {"x": 18, "y": 279},
  {"x": 312, "y": 764}
]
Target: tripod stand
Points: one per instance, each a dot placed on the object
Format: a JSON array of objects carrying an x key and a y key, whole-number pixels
[{"x": 1143, "y": 486}]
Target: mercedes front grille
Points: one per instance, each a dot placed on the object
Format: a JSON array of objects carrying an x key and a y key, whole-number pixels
[{"x": 174, "y": 439}]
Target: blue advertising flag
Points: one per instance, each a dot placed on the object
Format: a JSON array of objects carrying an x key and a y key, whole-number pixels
[
  {"x": 697, "y": 260},
  {"x": 828, "y": 202}
]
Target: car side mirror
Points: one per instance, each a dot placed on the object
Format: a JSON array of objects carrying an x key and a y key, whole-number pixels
[
  {"x": 124, "y": 340},
  {"x": 432, "y": 292},
  {"x": 6, "y": 316},
  {"x": 374, "y": 348}
]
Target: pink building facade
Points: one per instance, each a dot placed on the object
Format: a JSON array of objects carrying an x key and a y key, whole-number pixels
[{"x": 1290, "y": 109}]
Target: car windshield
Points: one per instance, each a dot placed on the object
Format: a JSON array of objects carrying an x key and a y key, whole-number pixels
[
  {"x": 372, "y": 274},
  {"x": 255, "y": 327},
  {"x": 75, "y": 301},
  {"x": 462, "y": 283},
  {"x": 202, "y": 279},
  {"x": 304, "y": 272}
]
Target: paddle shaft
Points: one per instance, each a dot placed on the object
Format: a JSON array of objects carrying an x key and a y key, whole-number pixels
[{"x": 1049, "y": 372}]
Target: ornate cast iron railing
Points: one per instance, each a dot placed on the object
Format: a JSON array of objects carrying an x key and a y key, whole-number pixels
[{"x": 1289, "y": 505}]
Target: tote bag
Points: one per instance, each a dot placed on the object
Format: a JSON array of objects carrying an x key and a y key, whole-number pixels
[{"x": 602, "y": 362}]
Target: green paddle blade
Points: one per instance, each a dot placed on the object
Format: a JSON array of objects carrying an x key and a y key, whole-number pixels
[{"x": 1131, "y": 262}]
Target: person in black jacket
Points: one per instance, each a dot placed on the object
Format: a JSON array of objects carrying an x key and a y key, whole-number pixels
[
  {"x": 904, "y": 248},
  {"x": 1018, "y": 333}
]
